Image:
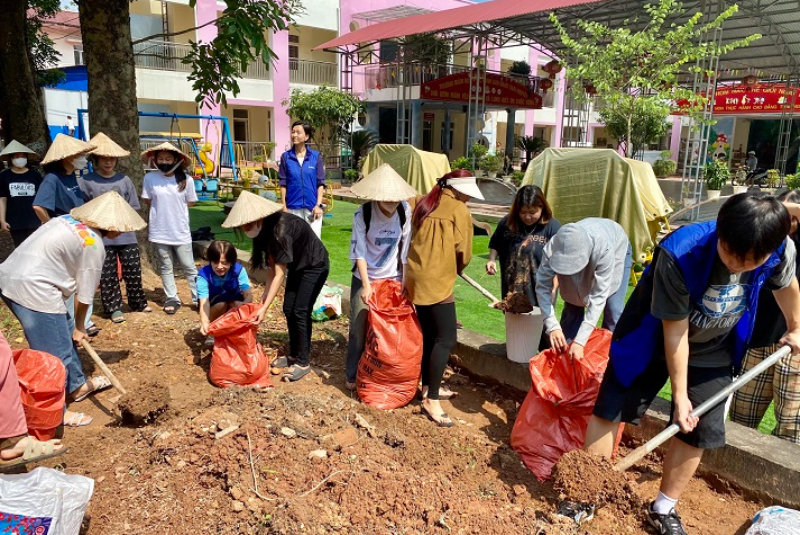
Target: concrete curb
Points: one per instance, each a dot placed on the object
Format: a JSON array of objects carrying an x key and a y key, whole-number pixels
[{"x": 764, "y": 466}]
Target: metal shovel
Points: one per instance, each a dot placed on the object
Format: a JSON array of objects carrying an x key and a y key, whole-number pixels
[{"x": 637, "y": 454}]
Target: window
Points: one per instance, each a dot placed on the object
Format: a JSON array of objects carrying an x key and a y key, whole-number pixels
[
  {"x": 294, "y": 51},
  {"x": 77, "y": 51}
]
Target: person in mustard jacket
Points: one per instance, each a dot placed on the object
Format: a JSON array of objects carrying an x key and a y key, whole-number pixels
[{"x": 441, "y": 247}]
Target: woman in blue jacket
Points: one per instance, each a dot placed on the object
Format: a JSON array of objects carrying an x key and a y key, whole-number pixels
[{"x": 302, "y": 178}]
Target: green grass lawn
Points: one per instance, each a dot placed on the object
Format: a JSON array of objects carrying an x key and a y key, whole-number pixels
[{"x": 473, "y": 310}]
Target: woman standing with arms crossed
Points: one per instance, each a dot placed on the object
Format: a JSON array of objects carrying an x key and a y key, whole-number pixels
[
  {"x": 301, "y": 175},
  {"x": 441, "y": 248}
]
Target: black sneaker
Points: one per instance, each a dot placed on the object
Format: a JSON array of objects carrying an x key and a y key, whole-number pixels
[
  {"x": 669, "y": 524},
  {"x": 578, "y": 511}
]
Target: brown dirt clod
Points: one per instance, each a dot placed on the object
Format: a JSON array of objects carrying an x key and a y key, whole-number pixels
[
  {"x": 583, "y": 477},
  {"x": 516, "y": 303},
  {"x": 144, "y": 403}
]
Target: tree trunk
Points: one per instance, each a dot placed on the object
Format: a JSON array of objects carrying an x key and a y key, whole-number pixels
[
  {"x": 106, "y": 32},
  {"x": 629, "y": 140},
  {"x": 21, "y": 111}
]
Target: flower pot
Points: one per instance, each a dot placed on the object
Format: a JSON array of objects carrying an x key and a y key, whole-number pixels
[
  {"x": 688, "y": 201},
  {"x": 523, "y": 332},
  {"x": 492, "y": 174},
  {"x": 739, "y": 189},
  {"x": 237, "y": 190},
  {"x": 712, "y": 194}
]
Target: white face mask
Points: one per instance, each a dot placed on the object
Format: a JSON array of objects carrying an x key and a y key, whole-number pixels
[
  {"x": 79, "y": 163},
  {"x": 253, "y": 232},
  {"x": 19, "y": 162}
]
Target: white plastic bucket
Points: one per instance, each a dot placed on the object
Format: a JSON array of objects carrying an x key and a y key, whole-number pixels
[{"x": 523, "y": 332}]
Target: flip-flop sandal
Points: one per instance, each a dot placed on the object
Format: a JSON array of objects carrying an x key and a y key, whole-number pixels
[
  {"x": 446, "y": 393},
  {"x": 444, "y": 420},
  {"x": 76, "y": 420},
  {"x": 99, "y": 383},
  {"x": 92, "y": 331},
  {"x": 350, "y": 386},
  {"x": 35, "y": 451},
  {"x": 118, "y": 317},
  {"x": 172, "y": 304},
  {"x": 296, "y": 373},
  {"x": 276, "y": 367}
]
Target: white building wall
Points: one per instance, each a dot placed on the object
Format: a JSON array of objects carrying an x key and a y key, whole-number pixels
[{"x": 320, "y": 14}]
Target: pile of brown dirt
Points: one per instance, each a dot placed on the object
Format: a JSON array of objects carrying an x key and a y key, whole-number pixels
[
  {"x": 583, "y": 477},
  {"x": 515, "y": 302},
  {"x": 144, "y": 403}
]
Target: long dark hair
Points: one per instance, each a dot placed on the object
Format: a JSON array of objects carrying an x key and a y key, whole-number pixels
[
  {"x": 271, "y": 238},
  {"x": 531, "y": 196},
  {"x": 56, "y": 168},
  {"x": 430, "y": 202}
]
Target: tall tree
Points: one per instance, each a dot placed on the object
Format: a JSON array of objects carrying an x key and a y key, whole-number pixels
[
  {"x": 649, "y": 126},
  {"x": 644, "y": 59},
  {"x": 22, "y": 114}
]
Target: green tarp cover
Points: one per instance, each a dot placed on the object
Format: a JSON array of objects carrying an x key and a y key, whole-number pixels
[
  {"x": 419, "y": 168},
  {"x": 581, "y": 183}
]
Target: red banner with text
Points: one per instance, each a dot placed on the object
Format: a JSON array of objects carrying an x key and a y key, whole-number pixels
[
  {"x": 500, "y": 91},
  {"x": 762, "y": 98}
]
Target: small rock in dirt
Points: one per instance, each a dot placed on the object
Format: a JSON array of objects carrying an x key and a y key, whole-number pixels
[
  {"x": 238, "y": 506},
  {"x": 342, "y": 439},
  {"x": 288, "y": 432},
  {"x": 519, "y": 490},
  {"x": 100, "y": 479},
  {"x": 236, "y": 493},
  {"x": 394, "y": 439},
  {"x": 181, "y": 465},
  {"x": 362, "y": 422},
  {"x": 318, "y": 454}
]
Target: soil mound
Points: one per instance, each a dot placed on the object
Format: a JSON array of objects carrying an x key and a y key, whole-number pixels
[
  {"x": 144, "y": 403},
  {"x": 516, "y": 303},
  {"x": 583, "y": 477}
]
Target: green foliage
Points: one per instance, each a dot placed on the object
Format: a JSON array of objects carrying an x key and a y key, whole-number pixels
[
  {"x": 328, "y": 110},
  {"x": 716, "y": 174},
  {"x": 629, "y": 60},
  {"x": 351, "y": 175},
  {"x": 643, "y": 119},
  {"x": 428, "y": 48},
  {"x": 664, "y": 168},
  {"x": 520, "y": 68},
  {"x": 531, "y": 145},
  {"x": 242, "y": 39},
  {"x": 41, "y": 51},
  {"x": 517, "y": 177},
  {"x": 462, "y": 162},
  {"x": 361, "y": 142},
  {"x": 478, "y": 151},
  {"x": 792, "y": 181},
  {"x": 491, "y": 163},
  {"x": 773, "y": 178},
  {"x": 666, "y": 154}
]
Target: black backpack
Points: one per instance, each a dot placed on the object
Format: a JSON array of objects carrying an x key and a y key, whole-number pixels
[{"x": 366, "y": 211}]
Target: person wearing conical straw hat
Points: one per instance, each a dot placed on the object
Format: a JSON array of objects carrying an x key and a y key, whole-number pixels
[
  {"x": 18, "y": 186},
  {"x": 168, "y": 195},
  {"x": 287, "y": 247},
  {"x": 64, "y": 258},
  {"x": 123, "y": 250},
  {"x": 440, "y": 249},
  {"x": 378, "y": 249}
]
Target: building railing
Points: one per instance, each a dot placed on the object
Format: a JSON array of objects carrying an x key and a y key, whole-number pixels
[
  {"x": 313, "y": 72},
  {"x": 168, "y": 56}
]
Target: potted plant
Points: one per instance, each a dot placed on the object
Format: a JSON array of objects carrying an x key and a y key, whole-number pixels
[
  {"x": 351, "y": 175},
  {"x": 492, "y": 164},
  {"x": 665, "y": 166},
  {"x": 773, "y": 178},
  {"x": 687, "y": 196},
  {"x": 740, "y": 179},
  {"x": 520, "y": 69},
  {"x": 531, "y": 146},
  {"x": 792, "y": 181},
  {"x": 476, "y": 153},
  {"x": 462, "y": 162},
  {"x": 716, "y": 175},
  {"x": 517, "y": 177}
]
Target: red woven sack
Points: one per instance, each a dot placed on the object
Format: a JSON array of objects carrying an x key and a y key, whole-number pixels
[
  {"x": 389, "y": 369},
  {"x": 238, "y": 358},
  {"x": 553, "y": 418},
  {"x": 42, "y": 385}
]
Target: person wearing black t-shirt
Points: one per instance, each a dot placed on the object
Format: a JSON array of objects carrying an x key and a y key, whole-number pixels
[
  {"x": 286, "y": 246},
  {"x": 18, "y": 187}
]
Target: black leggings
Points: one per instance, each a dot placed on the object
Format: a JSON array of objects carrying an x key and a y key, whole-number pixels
[
  {"x": 302, "y": 289},
  {"x": 439, "y": 336}
]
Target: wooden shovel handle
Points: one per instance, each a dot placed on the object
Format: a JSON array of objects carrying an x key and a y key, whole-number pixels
[{"x": 102, "y": 365}]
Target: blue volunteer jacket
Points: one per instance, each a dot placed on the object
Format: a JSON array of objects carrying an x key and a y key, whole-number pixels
[
  {"x": 229, "y": 291},
  {"x": 301, "y": 182},
  {"x": 639, "y": 335}
]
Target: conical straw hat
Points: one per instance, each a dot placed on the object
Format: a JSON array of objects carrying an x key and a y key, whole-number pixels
[
  {"x": 384, "y": 184},
  {"x": 14, "y": 147},
  {"x": 65, "y": 147},
  {"x": 250, "y": 207},
  {"x": 152, "y": 151},
  {"x": 105, "y": 146},
  {"x": 109, "y": 211}
]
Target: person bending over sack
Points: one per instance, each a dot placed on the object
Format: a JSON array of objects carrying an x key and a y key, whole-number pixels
[
  {"x": 288, "y": 247},
  {"x": 378, "y": 249},
  {"x": 688, "y": 321},
  {"x": 222, "y": 285}
]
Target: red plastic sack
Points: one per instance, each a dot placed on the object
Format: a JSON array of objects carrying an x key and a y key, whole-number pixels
[
  {"x": 42, "y": 385},
  {"x": 389, "y": 369},
  {"x": 238, "y": 358},
  {"x": 553, "y": 418}
]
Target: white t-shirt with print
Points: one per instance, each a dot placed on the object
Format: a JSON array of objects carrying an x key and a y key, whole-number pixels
[
  {"x": 61, "y": 257},
  {"x": 380, "y": 247},
  {"x": 169, "y": 209}
]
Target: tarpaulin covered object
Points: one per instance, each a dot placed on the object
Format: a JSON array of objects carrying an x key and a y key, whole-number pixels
[
  {"x": 419, "y": 168},
  {"x": 238, "y": 358},
  {"x": 553, "y": 418},
  {"x": 581, "y": 183},
  {"x": 389, "y": 369}
]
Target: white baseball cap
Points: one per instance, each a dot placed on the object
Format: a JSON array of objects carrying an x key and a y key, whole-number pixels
[{"x": 466, "y": 185}]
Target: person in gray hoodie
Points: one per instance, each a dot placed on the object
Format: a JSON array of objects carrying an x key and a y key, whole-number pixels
[{"x": 592, "y": 260}]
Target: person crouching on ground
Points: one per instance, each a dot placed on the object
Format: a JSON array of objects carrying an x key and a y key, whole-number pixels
[
  {"x": 441, "y": 248},
  {"x": 63, "y": 257},
  {"x": 592, "y": 260},
  {"x": 289, "y": 249},
  {"x": 688, "y": 321},
  {"x": 378, "y": 249},
  {"x": 222, "y": 285},
  {"x": 123, "y": 249}
]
